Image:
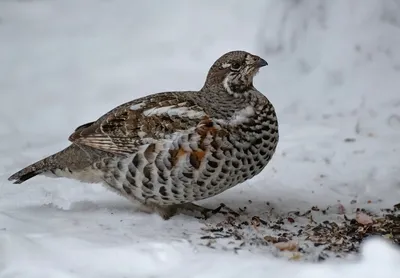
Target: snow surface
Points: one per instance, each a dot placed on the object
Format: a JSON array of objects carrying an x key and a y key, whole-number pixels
[{"x": 334, "y": 73}]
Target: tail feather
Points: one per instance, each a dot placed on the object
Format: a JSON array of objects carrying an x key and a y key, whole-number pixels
[
  {"x": 73, "y": 157},
  {"x": 32, "y": 170},
  {"x": 50, "y": 163},
  {"x": 20, "y": 178}
]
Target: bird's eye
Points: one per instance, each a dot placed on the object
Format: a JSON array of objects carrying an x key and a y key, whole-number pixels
[{"x": 235, "y": 66}]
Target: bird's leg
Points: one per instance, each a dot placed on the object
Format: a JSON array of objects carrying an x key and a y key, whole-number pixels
[
  {"x": 190, "y": 209},
  {"x": 196, "y": 210},
  {"x": 166, "y": 212},
  {"x": 202, "y": 212}
]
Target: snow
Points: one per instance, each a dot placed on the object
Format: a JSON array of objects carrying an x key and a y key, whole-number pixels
[{"x": 333, "y": 74}]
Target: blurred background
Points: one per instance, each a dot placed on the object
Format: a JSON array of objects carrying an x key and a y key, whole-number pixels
[{"x": 333, "y": 76}]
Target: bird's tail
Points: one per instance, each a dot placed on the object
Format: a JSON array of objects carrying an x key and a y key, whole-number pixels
[
  {"x": 32, "y": 170},
  {"x": 64, "y": 159}
]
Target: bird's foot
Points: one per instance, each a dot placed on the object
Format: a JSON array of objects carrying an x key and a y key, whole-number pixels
[
  {"x": 190, "y": 209},
  {"x": 202, "y": 212}
]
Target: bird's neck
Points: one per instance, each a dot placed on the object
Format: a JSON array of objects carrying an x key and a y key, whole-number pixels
[
  {"x": 225, "y": 103},
  {"x": 223, "y": 93}
]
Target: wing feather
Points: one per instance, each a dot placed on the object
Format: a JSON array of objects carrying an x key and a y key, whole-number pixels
[{"x": 125, "y": 128}]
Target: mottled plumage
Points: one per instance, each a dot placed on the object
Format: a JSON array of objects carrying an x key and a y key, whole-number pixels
[{"x": 169, "y": 149}]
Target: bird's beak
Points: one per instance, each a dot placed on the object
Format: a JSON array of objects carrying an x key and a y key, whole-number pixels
[{"x": 261, "y": 63}]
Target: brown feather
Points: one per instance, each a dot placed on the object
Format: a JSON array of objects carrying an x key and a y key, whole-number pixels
[{"x": 123, "y": 129}]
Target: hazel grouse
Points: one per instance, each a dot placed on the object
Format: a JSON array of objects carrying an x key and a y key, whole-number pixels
[{"x": 170, "y": 149}]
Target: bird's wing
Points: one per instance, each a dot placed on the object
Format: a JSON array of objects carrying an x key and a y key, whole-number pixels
[
  {"x": 125, "y": 128},
  {"x": 81, "y": 127}
]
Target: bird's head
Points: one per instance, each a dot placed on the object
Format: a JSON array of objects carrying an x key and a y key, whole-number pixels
[{"x": 235, "y": 71}]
